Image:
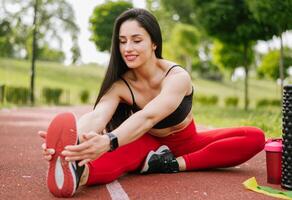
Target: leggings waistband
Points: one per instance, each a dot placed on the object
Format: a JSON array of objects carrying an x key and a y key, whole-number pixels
[{"x": 183, "y": 134}]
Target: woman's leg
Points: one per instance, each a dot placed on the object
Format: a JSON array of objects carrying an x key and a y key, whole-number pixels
[
  {"x": 215, "y": 148},
  {"x": 224, "y": 147},
  {"x": 127, "y": 158}
]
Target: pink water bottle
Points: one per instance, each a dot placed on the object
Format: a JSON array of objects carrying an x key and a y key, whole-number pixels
[{"x": 273, "y": 150}]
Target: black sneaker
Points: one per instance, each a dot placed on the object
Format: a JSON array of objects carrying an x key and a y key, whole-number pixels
[{"x": 160, "y": 161}]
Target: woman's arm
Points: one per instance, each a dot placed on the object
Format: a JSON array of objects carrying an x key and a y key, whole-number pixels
[{"x": 97, "y": 119}]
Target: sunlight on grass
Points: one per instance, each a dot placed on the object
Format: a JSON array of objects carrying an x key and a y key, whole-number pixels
[{"x": 268, "y": 119}]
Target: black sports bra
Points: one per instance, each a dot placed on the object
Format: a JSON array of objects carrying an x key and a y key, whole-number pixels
[{"x": 174, "y": 118}]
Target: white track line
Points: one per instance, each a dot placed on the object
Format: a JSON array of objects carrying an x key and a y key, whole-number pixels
[{"x": 116, "y": 191}]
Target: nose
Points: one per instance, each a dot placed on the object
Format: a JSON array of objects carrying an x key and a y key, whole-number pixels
[{"x": 128, "y": 46}]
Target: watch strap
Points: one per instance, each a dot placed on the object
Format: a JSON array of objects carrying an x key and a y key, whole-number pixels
[{"x": 114, "y": 144}]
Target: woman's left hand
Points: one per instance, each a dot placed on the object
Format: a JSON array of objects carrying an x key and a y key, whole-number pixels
[{"x": 92, "y": 147}]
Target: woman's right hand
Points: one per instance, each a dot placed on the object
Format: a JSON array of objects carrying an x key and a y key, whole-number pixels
[{"x": 47, "y": 153}]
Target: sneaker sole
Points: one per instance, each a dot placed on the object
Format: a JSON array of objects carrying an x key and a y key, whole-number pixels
[
  {"x": 146, "y": 166},
  {"x": 61, "y": 179},
  {"x": 159, "y": 150}
]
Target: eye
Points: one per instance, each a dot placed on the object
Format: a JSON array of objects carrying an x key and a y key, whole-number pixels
[
  {"x": 122, "y": 42},
  {"x": 137, "y": 41}
]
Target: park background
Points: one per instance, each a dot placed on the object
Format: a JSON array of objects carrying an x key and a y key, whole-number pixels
[{"x": 239, "y": 54}]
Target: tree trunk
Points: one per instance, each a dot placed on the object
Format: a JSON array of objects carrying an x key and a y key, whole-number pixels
[
  {"x": 281, "y": 66},
  {"x": 34, "y": 51},
  {"x": 246, "y": 98}
]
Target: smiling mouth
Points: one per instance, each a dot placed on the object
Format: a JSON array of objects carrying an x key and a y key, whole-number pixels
[{"x": 131, "y": 58}]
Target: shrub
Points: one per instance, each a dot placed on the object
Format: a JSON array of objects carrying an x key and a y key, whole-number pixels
[
  {"x": 231, "y": 101},
  {"x": 206, "y": 100},
  {"x": 268, "y": 102},
  {"x": 17, "y": 95},
  {"x": 52, "y": 95},
  {"x": 84, "y": 96},
  {"x": 2, "y": 92},
  {"x": 275, "y": 102}
]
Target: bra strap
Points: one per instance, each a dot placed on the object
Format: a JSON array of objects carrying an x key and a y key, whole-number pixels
[
  {"x": 132, "y": 94},
  {"x": 171, "y": 69}
]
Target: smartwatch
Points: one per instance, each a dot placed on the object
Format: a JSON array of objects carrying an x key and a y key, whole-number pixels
[{"x": 114, "y": 144}]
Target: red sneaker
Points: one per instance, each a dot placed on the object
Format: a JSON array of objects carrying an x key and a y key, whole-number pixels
[{"x": 63, "y": 176}]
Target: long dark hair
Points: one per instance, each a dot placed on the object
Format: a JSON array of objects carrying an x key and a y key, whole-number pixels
[{"x": 117, "y": 67}]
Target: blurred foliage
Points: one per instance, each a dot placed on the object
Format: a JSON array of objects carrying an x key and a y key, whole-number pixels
[
  {"x": 164, "y": 17},
  {"x": 230, "y": 21},
  {"x": 277, "y": 14},
  {"x": 183, "y": 42},
  {"x": 54, "y": 17},
  {"x": 231, "y": 101},
  {"x": 102, "y": 20},
  {"x": 182, "y": 10},
  {"x": 206, "y": 99},
  {"x": 269, "y": 67},
  {"x": 268, "y": 102},
  {"x": 71, "y": 78},
  {"x": 228, "y": 56},
  {"x": 52, "y": 95},
  {"x": 84, "y": 96},
  {"x": 6, "y": 45},
  {"x": 16, "y": 95},
  {"x": 266, "y": 118},
  {"x": 47, "y": 54},
  {"x": 183, "y": 45}
]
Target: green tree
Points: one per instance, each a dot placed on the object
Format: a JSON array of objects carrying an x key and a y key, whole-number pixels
[
  {"x": 277, "y": 14},
  {"x": 172, "y": 13},
  {"x": 50, "y": 19},
  {"x": 179, "y": 10},
  {"x": 228, "y": 57},
  {"x": 183, "y": 44},
  {"x": 164, "y": 17},
  {"x": 231, "y": 22},
  {"x": 6, "y": 48},
  {"x": 54, "y": 18},
  {"x": 269, "y": 66},
  {"x": 102, "y": 20}
]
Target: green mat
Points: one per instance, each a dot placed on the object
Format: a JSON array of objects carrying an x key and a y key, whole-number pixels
[{"x": 252, "y": 184}]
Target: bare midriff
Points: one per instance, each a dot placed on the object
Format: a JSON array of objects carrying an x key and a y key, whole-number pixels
[{"x": 173, "y": 129}]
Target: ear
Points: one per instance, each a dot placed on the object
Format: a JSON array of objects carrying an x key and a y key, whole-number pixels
[{"x": 154, "y": 46}]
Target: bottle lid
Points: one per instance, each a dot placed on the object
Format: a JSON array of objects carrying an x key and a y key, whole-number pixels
[{"x": 274, "y": 145}]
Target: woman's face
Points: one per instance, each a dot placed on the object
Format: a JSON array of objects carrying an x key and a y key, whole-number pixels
[{"x": 135, "y": 44}]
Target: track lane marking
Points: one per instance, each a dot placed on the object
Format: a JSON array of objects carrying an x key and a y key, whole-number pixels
[{"x": 116, "y": 191}]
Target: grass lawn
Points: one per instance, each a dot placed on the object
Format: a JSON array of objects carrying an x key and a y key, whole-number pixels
[
  {"x": 268, "y": 119},
  {"x": 74, "y": 79}
]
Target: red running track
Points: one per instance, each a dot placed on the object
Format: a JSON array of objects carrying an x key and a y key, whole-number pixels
[{"x": 23, "y": 171}]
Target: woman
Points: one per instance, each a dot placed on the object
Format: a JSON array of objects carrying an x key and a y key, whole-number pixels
[{"x": 142, "y": 119}]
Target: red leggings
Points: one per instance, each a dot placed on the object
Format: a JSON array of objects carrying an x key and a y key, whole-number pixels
[{"x": 217, "y": 148}]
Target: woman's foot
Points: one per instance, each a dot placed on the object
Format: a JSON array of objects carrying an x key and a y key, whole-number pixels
[
  {"x": 160, "y": 161},
  {"x": 63, "y": 176}
]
